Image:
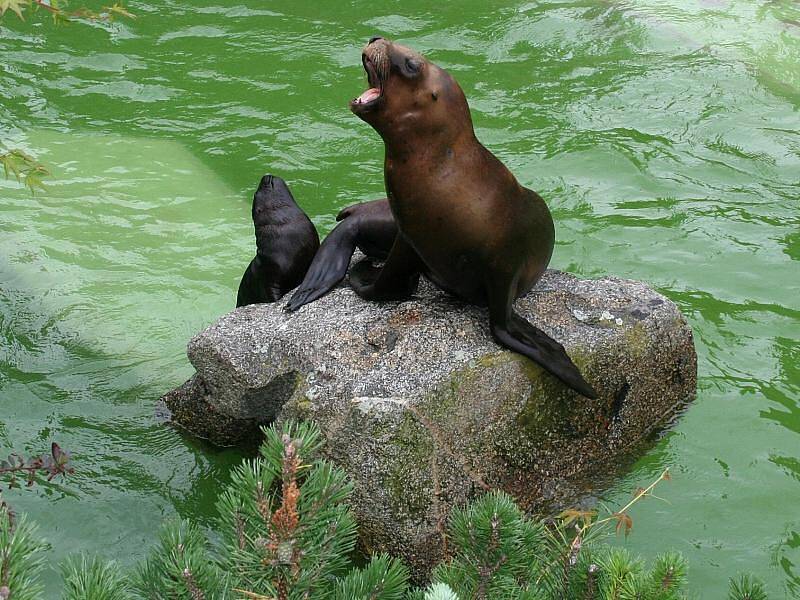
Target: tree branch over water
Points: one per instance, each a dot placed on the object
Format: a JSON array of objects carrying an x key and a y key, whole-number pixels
[
  {"x": 58, "y": 10},
  {"x": 49, "y": 465},
  {"x": 24, "y": 167}
]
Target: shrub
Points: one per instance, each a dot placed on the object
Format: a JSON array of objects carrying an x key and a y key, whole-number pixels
[{"x": 287, "y": 533}]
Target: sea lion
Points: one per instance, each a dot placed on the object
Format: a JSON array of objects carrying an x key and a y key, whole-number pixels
[
  {"x": 370, "y": 226},
  {"x": 286, "y": 242},
  {"x": 463, "y": 220}
]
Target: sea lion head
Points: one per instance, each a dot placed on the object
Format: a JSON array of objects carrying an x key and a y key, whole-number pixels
[
  {"x": 272, "y": 195},
  {"x": 408, "y": 94}
]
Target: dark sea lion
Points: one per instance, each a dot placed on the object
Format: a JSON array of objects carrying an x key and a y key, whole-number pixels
[
  {"x": 370, "y": 226},
  {"x": 286, "y": 242},
  {"x": 463, "y": 220}
]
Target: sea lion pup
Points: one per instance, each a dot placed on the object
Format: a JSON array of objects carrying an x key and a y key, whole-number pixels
[
  {"x": 463, "y": 219},
  {"x": 369, "y": 225},
  {"x": 286, "y": 242}
]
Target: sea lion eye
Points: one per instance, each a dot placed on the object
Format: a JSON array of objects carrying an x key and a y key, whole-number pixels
[{"x": 412, "y": 67}]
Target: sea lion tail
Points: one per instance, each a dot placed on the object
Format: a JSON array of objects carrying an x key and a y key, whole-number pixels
[
  {"x": 534, "y": 343},
  {"x": 329, "y": 265}
]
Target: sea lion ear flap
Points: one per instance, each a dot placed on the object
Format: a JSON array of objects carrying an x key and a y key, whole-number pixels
[{"x": 411, "y": 67}]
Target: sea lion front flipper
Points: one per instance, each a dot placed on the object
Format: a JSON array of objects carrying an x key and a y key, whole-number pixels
[
  {"x": 253, "y": 288},
  {"x": 514, "y": 332},
  {"x": 369, "y": 225},
  {"x": 396, "y": 280},
  {"x": 329, "y": 265}
]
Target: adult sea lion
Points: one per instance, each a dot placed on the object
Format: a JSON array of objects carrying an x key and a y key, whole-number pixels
[
  {"x": 463, "y": 220},
  {"x": 286, "y": 242}
]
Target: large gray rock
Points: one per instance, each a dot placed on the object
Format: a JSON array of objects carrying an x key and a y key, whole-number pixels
[{"x": 424, "y": 410}]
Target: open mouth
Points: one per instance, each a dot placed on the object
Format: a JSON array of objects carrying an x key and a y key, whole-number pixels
[{"x": 375, "y": 91}]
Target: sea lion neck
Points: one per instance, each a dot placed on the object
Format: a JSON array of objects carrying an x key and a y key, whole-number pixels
[
  {"x": 404, "y": 146},
  {"x": 437, "y": 118}
]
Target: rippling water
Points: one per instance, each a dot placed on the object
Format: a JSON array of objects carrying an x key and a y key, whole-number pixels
[{"x": 664, "y": 134}]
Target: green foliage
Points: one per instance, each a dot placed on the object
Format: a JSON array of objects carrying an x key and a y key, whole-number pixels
[
  {"x": 384, "y": 578},
  {"x": 23, "y": 166},
  {"x": 502, "y": 554},
  {"x": 498, "y": 552},
  {"x": 21, "y": 558},
  {"x": 287, "y": 533},
  {"x": 747, "y": 588},
  {"x": 57, "y": 9},
  {"x": 620, "y": 576},
  {"x": 88, "y": 578},
  {"x": 287, "y": 526},
  {"x": 436, "y": 591},
  {"x": 669, "y": 575},
  {"x": 181, "y": 567},
  {"x": 440, "y": 591}
]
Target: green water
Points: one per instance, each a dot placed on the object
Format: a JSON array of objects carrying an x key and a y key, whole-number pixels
[{"x": 664, "y": 134}]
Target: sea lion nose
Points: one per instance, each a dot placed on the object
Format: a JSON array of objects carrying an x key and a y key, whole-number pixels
[
  {"x": 269, "y": 180},
  {"x": 375, "y": 38}
]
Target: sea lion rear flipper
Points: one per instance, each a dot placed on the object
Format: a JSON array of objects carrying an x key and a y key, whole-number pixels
[
  {"x": 519, "y": 335},
  {"x": 329, "y": 265},
  {"x": 397, "y": 279},
  {"x": 248, "y": 288}
]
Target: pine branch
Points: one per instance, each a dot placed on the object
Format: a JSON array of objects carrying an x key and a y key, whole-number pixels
[
  {"x": 496, "y": 550},
  {"x": 668, "y": 575},
  {"x": 384, "y": 578},
  {"x": 181, "y": 567},
  {"x": 440, "y": 591},
  {"x": 288, "y": 533},
  {"x": 287, "y": 529},
  {"x": 92, "y": 579},
  {"x": 21, "y": 559},
  {"x": 590, "y": 589},
  {"x": 253, "y": 595},
  {"x": 747, "y": 588}
]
